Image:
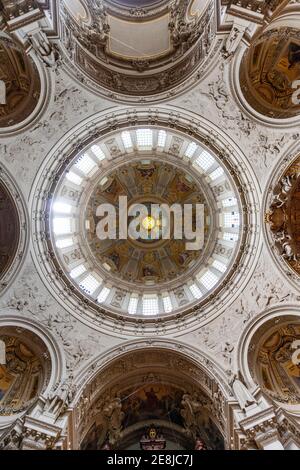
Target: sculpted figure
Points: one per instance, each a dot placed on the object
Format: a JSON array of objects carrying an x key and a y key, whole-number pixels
[
  {"x": 114, "y": 416},
  {"x": 282, "y": 190},
  {"x": 59, "y": 400},
  {"x": 46, "y": 51},
  {"x": 191, "y": 407},
  {"x": 283, "y": 243},
  {"x": 233, "y": 41},
  {"x": 241, "y": 392},
  {"x": 183, "y": 33}
]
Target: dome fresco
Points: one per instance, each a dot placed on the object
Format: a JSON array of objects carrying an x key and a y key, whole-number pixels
[
  {"x": 25, "y": 373},
  {"x": 21, "y": 82},
  {"x": 157, "y": 259},
  {"x": 272, "y": 364},
  {"x": 269, "y": 70}
]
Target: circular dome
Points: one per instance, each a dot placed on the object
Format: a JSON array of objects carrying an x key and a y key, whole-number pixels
[
  {"x": 152, "y": 156},
  {"x": 159, "y": 257},
  {"x": 13, "y": 229},
  {"x": 269, "y": 73},
  {"x": 282, "y": 218},
  {"x": 273, "y": 358},
  {"x": 9, "y": 230},
  {"x": 137, "y": 50},
  {"x": 26, "y": 371},
  {"x": 20, "y": 85},
  {"x": 156, "y": 274}
]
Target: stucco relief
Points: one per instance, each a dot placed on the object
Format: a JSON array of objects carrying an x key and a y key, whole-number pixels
[
  {"x": 265, "y": 289},
  {"x": 29, "y": 297},
  {"x": 214, "y": 99},
  {"x": 70, "y": 105}
]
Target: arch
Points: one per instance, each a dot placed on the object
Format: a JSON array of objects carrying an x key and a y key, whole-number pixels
[
  {"x": 146, "y": 363},
  {"x": 56, "y": 352}
]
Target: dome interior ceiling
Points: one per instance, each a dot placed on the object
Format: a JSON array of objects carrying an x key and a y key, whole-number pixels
[
  {"x": 268, "y": 71},
  {"x": 138, "y": 53},
  {"x": 145, "y": 40},
  {"x": 272, "y": 364},
  {"x": 22, "y": 82},
  {"x": 9, "y": 230},
  {"x": 26, "y": 372},
  {"x": 140, "y": 277},
  {"x": 146, "y": 262},
  {"x": 149, "y": 226}
]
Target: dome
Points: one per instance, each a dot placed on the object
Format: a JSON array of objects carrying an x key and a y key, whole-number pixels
[
  {"x": 155, "y": 275},
  {"x": 272, "y": 361},
  {"x": 282, "y": 218},
  {"x": 9, "y": 230},
  {"x": 26, "y": 371},
  {"x": 137, "y": 48},
  {"x": 269, "y": 70},
  {"x": 154, "y": 259},
  {"x": 21, "y": 81}
]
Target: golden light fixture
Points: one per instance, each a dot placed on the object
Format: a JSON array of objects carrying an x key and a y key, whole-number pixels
[{"x": 149, "y": 223}]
